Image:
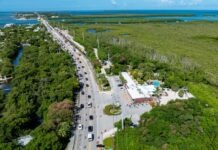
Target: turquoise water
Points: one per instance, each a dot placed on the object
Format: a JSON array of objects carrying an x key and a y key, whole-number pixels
[
  {"x": 156, "y": 83},
  {"x": 15, "y": 62},
  {"x": 9, "y": 17}
]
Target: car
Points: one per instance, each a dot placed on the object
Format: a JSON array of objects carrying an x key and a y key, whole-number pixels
[
  {"x": 81, "y": 106},
  {"x": 83, "y": 66},
  {"x": 100, "y": 146},
  {"x": 80, "y": 126},
  {"x": 90, "y": 128},
  {"x": 85, "y": 72},
  {"x": 80, "y": 75},
  {"x": 80, "y": 62},
  {"x": 90, "y": 137},
  {"x": 82, "y": 92},
  {"x": 91, "y": 117},
  {"x": 87, "y": 79},
  {"x": 89, "y": 96},
  {"x": 87, "y": 85},
  {"x": 120, "y": 85},
  {"x": 77, "y": 117},
  {"x": 89, "y": 104}
]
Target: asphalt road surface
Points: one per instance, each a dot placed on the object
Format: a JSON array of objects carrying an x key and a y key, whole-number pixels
[{"x": 88, "y": 94}]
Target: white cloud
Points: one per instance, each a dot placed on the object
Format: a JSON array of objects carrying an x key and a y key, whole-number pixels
[
  {"x": 167, "y": 1},
  {"x": 182, "y": 2},
  {"x": 113, "y": 2}
]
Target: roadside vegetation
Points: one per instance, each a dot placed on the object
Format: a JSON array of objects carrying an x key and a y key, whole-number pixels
[
  {"x": 41, "y": 101},
  {"x": 181, "y": 55}
]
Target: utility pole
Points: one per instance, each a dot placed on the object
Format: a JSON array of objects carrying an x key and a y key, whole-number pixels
[
  {"x": 74, "y": 34},
  {"x": 83, "y": 36},
  {"x": 122, "y": 119},
  {"x": 98, "y": 43}
]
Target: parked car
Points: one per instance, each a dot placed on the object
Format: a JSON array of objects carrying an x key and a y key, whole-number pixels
[{"x": 89, "y": 96}]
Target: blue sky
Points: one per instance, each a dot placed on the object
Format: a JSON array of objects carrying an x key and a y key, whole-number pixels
[{"x": 49, "y": 5}]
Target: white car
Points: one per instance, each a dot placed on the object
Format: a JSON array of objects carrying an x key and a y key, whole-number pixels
[
  {"x": 80, "y": 126},
  {"x": 89, "y": 105},
  {"x": 90, "y": 137}
]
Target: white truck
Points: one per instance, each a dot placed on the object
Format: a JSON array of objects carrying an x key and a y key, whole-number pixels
[{"x": 90, "y": 137}]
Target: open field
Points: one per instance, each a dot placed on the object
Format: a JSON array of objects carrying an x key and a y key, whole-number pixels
[{"x": 193, "y": 43}]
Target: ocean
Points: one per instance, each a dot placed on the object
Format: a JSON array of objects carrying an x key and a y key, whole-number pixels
[
  {"x": 9, "y": 17},
  {"x": 195, "y": 15}
]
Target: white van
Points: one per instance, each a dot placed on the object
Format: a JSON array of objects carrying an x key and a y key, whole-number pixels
[
  {"x": 89, "y": 105},
  {"x": 90, "y": 137}
]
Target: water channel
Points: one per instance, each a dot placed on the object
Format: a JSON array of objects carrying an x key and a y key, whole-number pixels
[{"x": 7, "y": 87}]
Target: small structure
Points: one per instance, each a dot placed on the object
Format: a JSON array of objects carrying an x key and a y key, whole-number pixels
[
  {"x": 24, "y": 140},
  {"x": 2, "y": 33},
  {"x": 4, "y": 79},
  {"x": 9, "y": 25},
  {"x": 136, "y": 91}
]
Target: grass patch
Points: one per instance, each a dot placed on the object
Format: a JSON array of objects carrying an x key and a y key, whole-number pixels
[
  {"x": 112, "y": 110},
  {"x": 109, "y": 143}
]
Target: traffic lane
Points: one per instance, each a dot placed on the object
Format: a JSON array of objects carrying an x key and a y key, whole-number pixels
[
  {"x": 95, "y": 116},
  {"x": 84, "y": 115},
  {"x": 80, "y": 62}
]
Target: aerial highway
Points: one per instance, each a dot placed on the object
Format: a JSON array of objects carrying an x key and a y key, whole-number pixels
[{"x": 86, "y": 134}]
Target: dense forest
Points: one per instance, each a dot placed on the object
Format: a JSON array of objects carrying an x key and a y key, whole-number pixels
[
  {"x": 44, "y": 84},
  {"x": 189, "y": 124},
  {"x": 178, "y": 125}
]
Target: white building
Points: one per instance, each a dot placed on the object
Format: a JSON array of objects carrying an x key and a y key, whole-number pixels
[
  {"x": 136, "y": 91},
  {"x": 9, "y": 25}
]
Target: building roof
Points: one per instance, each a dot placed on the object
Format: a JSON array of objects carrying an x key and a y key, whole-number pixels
[{"x": 135, "y": 90}]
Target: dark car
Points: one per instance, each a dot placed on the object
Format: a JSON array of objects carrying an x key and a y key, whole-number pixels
[
  {"x": 87, "y": 85},
  {"x": 82, "y": 92},
  {"x": 89, "y": 96},
  {"x": 80, "y": 62},
  {"x": 83, "y": 67},
  {"x": 85, "y": 72},
  {"x": 82, "y": 106},
  {"x": 87, "y": 79},
  {"x": 91, "y": 117},
  {"x": 100, "y": 146},
  {"x": 77, "y": 117},
  {"x": 120, "y": 85},
  {"x": 90, "y": 128}
]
